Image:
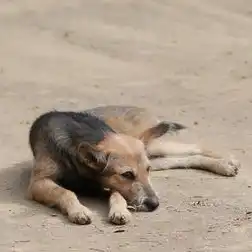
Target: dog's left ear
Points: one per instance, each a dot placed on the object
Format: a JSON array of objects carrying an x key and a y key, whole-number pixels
[
  {"x": 159, "y": 130},
  {"x": 92, "y": 156}
]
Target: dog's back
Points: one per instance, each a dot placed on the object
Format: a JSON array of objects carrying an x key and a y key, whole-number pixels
[
  {"x": 52, "y": 129},
  {"x": 59, "y": 130},
  {"x": 129, "y": 120}
]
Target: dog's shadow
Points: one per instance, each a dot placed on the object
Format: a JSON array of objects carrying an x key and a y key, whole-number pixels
[{"x": 14, "y": 182}]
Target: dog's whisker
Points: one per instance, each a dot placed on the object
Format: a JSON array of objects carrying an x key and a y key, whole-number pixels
[{"x": 132, "y": 208}]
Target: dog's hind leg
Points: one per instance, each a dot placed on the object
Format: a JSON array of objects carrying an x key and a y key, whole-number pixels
[
  {"x": 45, "y": 191},
  {"x": 216, "y": 165},
  {"x": 162, "y": 148},
  {"x": 166, "y": 155},
  {"x": 118, "y": 211}
]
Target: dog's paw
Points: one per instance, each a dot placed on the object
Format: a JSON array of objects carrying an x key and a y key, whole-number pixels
[
  {"x": 231, "y": 167},
  {"x": 119, "y": 216},
  {"x": 80, "y": 215}
]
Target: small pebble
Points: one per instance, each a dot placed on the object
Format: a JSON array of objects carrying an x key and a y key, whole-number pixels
[{"x": 119, "y": 231}]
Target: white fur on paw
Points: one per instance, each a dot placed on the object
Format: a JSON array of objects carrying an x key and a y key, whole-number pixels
[
  {"x": 231, "y": 166},
  {"x": 80, "y": 215},
  {"x": 119, "y": 216}
]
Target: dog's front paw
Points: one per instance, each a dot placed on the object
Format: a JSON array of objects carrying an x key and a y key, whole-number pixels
[
  {"x": 80, "y": 215},
  {"x": 119, "y": 216},
  {"x": 231, "y": 167}
]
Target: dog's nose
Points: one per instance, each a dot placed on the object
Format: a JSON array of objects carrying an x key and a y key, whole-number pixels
[{"x": 151, "y": 203}]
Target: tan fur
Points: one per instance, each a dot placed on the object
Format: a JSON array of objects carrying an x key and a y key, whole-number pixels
[
  {"x": 118, "y": 211},
  {"x": 130, "y": 156},
  {"x": 44, "y": 190}
]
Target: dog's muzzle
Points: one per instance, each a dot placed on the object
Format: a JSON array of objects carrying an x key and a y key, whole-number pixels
[
  {"x": 147, "y": 205},
  {"x": 151, "y": 204}
]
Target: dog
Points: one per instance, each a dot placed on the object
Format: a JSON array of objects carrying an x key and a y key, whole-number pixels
[{"x": 112, "y": 149}]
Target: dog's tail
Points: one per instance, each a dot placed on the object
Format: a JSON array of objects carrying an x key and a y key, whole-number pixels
[{"x": 173, "y": 126}]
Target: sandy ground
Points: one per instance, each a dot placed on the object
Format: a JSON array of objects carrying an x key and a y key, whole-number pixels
[{"x": 188, "y": 62}]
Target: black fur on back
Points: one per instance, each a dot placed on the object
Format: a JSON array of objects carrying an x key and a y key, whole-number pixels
[
  {"x": 58, "y": 134},
  {"x": 65, "y": 130}
]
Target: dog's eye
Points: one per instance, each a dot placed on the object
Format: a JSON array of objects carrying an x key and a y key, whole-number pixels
[
  {"x": 112, "y": 157},
  {"x": 128, "y": 175},
  {"x": 148, "y": 168}
]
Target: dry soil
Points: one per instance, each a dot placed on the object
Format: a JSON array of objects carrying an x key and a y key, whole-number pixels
[{"x": 188, "y": 61}]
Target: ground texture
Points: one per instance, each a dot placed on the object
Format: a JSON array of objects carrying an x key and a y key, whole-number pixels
[{"x": 188, "y": 61}]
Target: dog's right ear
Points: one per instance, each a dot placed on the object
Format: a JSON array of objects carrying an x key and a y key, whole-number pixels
[{"x": 92, "y": 156}]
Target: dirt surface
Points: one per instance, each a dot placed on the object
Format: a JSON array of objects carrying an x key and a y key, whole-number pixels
[{"x": 188, "y": 62}]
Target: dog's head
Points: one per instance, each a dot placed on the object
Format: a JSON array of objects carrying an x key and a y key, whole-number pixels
[{"x": 122, "y": 164}]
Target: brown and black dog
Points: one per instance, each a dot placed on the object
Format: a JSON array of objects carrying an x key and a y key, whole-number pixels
[{"x": 111, "y": 148}]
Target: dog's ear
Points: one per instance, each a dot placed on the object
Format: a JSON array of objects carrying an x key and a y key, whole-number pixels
[
  {"x": 92, "y": 156},
  {"x": 159, "y": 130}
]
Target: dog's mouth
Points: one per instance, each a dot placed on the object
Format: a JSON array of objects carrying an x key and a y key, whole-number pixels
[
  {"x": 142, "y": 207},
  {"x": 145, "y": 205},
  {"x": 137, "y": 208}
]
